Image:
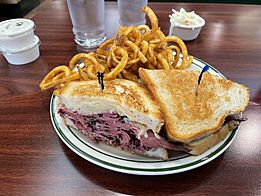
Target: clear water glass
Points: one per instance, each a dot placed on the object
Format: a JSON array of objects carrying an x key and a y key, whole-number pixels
[
  {"x": 87, "y": 18},
  {"x": 130, "y": 12}
]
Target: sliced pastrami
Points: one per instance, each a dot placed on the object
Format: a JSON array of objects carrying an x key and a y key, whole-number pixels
[
  {"x": 113, "y": 129},
  {"x": 109, "y": 128},
  {"x": 152, "y": 142}
]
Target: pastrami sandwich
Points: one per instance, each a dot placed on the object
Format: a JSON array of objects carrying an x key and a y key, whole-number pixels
[
  {"x": 123, "y": 115},
  {"x": 197, "y": 120}
]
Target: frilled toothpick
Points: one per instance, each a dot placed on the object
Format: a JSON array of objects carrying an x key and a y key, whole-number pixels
[
  {"x": 100, "y": 79},
  {"x": 200, "y": 77}
]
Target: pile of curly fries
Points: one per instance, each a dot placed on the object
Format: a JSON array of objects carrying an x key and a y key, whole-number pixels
[{"x": 122, "y": 56}]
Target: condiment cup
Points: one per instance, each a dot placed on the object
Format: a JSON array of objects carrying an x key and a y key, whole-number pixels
[
  {"x": 16, "y": 33},
  {"x": 23, "y": 55},
  {"x": 186, "y": 25},
  {"x": 185, "y": 32}
]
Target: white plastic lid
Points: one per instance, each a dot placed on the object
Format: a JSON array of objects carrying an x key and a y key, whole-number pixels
[
  {"x": 15, "y": 27},
  {"x": 19, "y": 50}
]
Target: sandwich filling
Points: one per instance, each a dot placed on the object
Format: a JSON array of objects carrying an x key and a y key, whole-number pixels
[
  {"x": 202, "y": 144},
  {"x": 115, "y": 130}
]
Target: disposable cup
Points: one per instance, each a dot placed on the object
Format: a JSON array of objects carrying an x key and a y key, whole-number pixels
[
  {"x": 16, "y": 33},
  {"x": 23, "y": 55}
]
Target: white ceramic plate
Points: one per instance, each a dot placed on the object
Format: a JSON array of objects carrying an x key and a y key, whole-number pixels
[{"x": 118, "y": 160}]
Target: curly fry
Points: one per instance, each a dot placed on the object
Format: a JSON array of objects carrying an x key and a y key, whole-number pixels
[
  {"x": 129, "y": 63},
  {"x": 76, "y": 58},
  {"x": 176, "y": 59},
  {"x": 82, "y": 73},
  {"x": 151, "y": 56},
  {"x": 136, "y": 48},
  {"x": 55, "y": 75},
  {"x": 144, "y": 47},
  {"x": 163, "y": 61},
  {"x": 105, "y": 46},
  {"x": 137, "y": 36},
  {"x": 186, "y": 61},
  {"x": 122, "y": 34},
  {"x": 189, "y": 62},
  {"x": 51, "y": 84},
  {"x": 92, "y": 73},
  {"x": 111, "y": 75},
  {"x": 145, "y": 29},
  {"x": 167, "y": 53},
  {"x": 153, "y": 18},
  {"x": 59, "y": 76},
  {"x": 161, "y": 37},
  {"x": 91, "y": 58}
]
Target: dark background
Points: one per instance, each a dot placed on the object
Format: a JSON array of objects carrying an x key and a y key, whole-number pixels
[{"x": 22, "y": 8}]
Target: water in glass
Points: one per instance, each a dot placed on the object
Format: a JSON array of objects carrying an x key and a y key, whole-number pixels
[{"x": 87, "y": 18}]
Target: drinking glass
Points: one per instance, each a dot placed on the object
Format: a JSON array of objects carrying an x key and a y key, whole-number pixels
[
  {"x": 87, "y": 18},
  {"x": 130, "y": 12}
]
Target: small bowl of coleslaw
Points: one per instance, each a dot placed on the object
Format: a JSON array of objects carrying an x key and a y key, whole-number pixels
[{"x": 186, "y": 25}]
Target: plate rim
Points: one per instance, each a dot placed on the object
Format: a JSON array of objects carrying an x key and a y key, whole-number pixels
[{"x": 144, "y": 171}]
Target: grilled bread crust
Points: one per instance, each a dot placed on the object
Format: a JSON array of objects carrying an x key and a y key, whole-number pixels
[
  {"x": 122, "y": 96},
  {"x": 200, "y": 146},
  {"x": 189, "y": 116}
]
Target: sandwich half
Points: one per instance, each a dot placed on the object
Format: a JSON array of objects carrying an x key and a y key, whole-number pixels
[
  {"x": 197, "y": 120},
  {"x": 123, "y": 115}
]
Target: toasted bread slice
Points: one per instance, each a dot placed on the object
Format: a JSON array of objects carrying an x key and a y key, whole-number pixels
[
  {"x": 189, "y": 116},
  {"x": 200, "y": 146},
  {"x": 125, "y": 97}
]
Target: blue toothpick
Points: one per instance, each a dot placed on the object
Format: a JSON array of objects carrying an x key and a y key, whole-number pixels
[
  {"x": 100, "y": 79},
  {"x": 200, "y": 77}
]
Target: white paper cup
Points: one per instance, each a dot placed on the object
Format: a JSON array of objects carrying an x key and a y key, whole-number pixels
[
  {"x": 16, "y": 33},
  {"x": 185, "y": 32},
  {"x": 23, "y": 55}
]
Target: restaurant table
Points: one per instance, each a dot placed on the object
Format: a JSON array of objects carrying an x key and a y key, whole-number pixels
[{"x": 34, "y": 161}]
